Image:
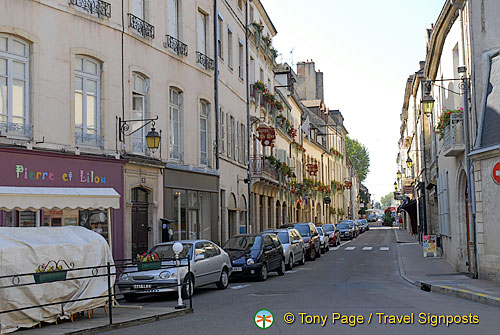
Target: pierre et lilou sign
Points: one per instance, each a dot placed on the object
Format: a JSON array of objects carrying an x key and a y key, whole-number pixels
[{"x": 80, "y": 175}]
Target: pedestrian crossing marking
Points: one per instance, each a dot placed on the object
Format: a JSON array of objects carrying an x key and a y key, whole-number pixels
[
  {"x": 384, "y": 248},
  {"x": 350, "y": 248},
  {"x": 367, "y": 248}
]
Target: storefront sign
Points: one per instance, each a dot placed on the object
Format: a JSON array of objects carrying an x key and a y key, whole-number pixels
[
  {"x": 430, "y": 245},
  {"x": 312, "y": 168},
  {"x": 266, "y": 135},
  {"x": 89, "y": 177},
  {"x": 408, "y": 189},
  {"x": 496, "y": 173}
]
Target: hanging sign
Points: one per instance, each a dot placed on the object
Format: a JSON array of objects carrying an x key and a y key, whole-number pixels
[
  {"x": 312, "y": 168},
  {"x": 348, "y": 184},
  {"x": 496, "y": 173},
  {"x": 266, "y": 135}
]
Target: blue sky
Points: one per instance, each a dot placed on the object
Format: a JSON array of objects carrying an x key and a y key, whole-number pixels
[{"x": 366, "y": 50}]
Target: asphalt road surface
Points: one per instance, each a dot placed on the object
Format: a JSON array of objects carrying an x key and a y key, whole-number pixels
[{"x": 358, "y": 279}]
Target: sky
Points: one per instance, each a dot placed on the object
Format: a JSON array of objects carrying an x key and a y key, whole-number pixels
[{"x": 366, "y": 50}]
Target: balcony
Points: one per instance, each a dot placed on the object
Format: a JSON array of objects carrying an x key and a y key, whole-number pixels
[
  {"x": 261, "y": 168},
  {"x": 207, "y": 62},
  {"x": 142, "y": 27},
  {"x": 453, "y": 139},
  {"x": 11, "y": 129},
  {"x": 93, "y": 7},
  {"x": 176, "y": 46},
  {"x": 88, "y": 139}
]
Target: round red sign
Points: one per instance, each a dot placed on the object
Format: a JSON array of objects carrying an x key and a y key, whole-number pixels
[{"x": 496, "y": 173}]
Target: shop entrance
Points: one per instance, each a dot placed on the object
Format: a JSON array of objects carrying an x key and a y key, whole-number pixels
[{"x": 139, "y": 221}]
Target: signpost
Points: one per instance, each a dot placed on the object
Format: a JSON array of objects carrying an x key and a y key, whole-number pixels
[
  {"x": 430, "y": 245},
  {"x": 496, "y": 173},
  {"x": 327, "y": 200}
]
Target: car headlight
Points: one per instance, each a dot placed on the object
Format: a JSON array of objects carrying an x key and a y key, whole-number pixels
[
  {"x": 250, "y": 261},
  {"x": 124, "y": 276},
  {"x": 165, "y": 275}
]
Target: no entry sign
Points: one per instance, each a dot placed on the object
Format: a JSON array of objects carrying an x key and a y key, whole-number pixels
[{"x": 496, "y": 173}]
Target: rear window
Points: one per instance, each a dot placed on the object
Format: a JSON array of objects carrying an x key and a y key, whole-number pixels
[
  {"x": 283, "y": 236},
  {"x": 303, "y": 230},
  {"x": 243, "y": 243},
  {"x": 328, "y": 227},
  {"x": 343, "y": 226}
]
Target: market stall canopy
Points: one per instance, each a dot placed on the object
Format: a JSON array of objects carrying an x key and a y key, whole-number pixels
[{"x": 33, "y": 198}]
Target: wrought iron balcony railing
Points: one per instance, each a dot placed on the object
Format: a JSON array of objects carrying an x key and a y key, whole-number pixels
[
  {"x": 87, "y": 139},
  {"x": 453, "y": 139},
  {"x": 207, "y": 62},
  {"x": 15, "y": 129},
  {"x": 93, "y": 7},
  {"x": 261, "y": 168},
  {"x": 141, "y": 26},
  {"x": 176, "y": 46}
]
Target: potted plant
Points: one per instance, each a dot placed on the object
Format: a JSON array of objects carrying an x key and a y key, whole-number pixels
[
  {"x": 444, "y": 120},
  {"x": 148, "y": 262},
  {"x": 52, "y": 271}
]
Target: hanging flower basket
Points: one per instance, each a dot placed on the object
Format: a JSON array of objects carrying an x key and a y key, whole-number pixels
[
  {"x": 52, "y": 271},
  {"x": 444, "y": 120}
]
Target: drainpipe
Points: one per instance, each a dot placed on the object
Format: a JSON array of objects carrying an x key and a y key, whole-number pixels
[
  {"x": 249, "y": 179},
  {"x": 216, "y": 103}
]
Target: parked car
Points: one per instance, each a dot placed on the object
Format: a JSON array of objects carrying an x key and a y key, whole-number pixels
[
  {"x": 333, "y": 234},
  {"x": 255, "y": 255},
  {"x": 345, "y": 230},
  {"x": 209, "y": 264},
  {"x": 355, "y": 231},
  {"x": 311, "y": 239},
  {"x": 324, "y": 243},
  {"x": 293, "y": 246},
  {"x": 361, "y": 225},
  {"x": 365, "y": 224},
  {"x": 372, "y": 217},
  {"x": 357, "y": 227}
]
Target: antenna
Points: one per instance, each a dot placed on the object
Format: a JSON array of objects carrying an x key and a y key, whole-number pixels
[{"x": 291, "y": 57}]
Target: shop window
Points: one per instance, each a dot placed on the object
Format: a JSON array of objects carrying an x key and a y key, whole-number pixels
[
  {"x": 14, "y": 90},
  {"x": 87, "y": 101},
  {"x": 95, "y": 220},
  {"x": 27, "y": 219}
]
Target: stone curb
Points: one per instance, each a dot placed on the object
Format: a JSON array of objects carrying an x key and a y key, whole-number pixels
[
  {"x": 124, "y": 324},
  {"x": 481, "y": 298}
]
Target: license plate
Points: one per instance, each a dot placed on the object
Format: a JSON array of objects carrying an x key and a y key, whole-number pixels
[
  {"x": 237, "y": 269},
  {"x": 142, "y": 286}
]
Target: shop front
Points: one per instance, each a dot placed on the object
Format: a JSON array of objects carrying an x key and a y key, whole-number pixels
[{"x": 44, "y": 189}]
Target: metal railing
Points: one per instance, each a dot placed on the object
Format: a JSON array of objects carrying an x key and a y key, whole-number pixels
[
  {"x": 260, "y": 167},
  {"x": 15, "y": 129},
  {"x": 176, "y": 46},
  {"x": 99, "y": 7},
  {"x": 87, "y": 139},
  {"x": 108, "y": 270},
  {"x": 142, "y": 27},
  {"x": 204, "y": 60},
  {"x": 453, "y": 139}
]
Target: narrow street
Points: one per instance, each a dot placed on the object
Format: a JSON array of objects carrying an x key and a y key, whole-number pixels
[{"x": 358, "y": 278}]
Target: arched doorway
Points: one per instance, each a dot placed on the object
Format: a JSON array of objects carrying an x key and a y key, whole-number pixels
[
  {"x": 243, "y": 215},
  {"x": 284, "y": 216},
  {"x": 139, "y": 221},
  {"x": 278, "y": 210}
]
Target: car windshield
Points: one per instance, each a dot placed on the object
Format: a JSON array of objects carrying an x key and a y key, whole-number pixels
[
  {"x": 167, "y": 251},
  {"x": 283, "y": 236},
  {"x": 350, "y": 223},
  {"x": 343, "y": 225},
  {"x": 328, "y": 228},
  {"x": 243, "y": 243},
  {"x": 303, "y": 229}
]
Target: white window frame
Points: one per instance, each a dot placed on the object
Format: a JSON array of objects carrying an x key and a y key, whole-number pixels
[
  {"x": 176, "y": 149},
  {"x": 234, "y": 139},
  {"x": 139, "y": 138},
  {"x": 220, "y": 36},
  {"x": 139, "y": 3},
  {"x": 11, "y": 58},
  {"x": 176, "y": 18},
  {"x": 240, "y": 59},
  {"x": 229, "y": 132},
  {"x": 205, "y": 152},
  {"x": 230, "y": 47},
  {"x": 222, "y": 131},
  {"x": 86, "y": 76},
  {"x": 202, "y": 30}
]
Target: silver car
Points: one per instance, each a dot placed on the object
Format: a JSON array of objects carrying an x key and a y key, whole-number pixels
[
  {"x": 324, "y": 240},
  {"x": 293, "y": 246},
  {"x": 210, "y": 264}
]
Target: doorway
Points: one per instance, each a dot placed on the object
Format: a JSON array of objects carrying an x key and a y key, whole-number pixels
[{"x": 139, "y": 221}]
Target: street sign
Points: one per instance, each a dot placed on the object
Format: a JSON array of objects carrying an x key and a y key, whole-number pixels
[
  {"x": 327, "y": 200},
  {"x": 408, "y": 189},
  {"x": 496, "y": 173},
  {"x": 398, "y": 196}
]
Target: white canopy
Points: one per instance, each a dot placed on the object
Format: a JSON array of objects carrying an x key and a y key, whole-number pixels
[{"x": 33, "y": 198}]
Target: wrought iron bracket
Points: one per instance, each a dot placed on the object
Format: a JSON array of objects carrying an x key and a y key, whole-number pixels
[{"x": 123, "y": 126}]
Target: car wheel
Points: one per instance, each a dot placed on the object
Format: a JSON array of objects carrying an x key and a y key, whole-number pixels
[
  {"x": 312, "y": 255},
  {"x": 223, "y": 281},
  {"x": 290, "y": 262},
  {"x": 303, "y": 259},
  {"x": 281, "y": 270},
  {"x": 263, "y": 272},
  {"x": 187, "y": 287},
  {"x": 129, "y": 297}
]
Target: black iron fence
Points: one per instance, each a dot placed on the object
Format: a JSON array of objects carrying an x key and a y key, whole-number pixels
[{"x": 109, "y": 270}]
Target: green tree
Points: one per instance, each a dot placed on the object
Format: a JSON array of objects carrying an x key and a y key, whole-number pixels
[
  {"x": 386, "y": 200},
  {"x": 359, "y": 156}
]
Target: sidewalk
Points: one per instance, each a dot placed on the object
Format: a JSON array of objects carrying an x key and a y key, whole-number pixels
[
  {"x": 434, "y": 274},
  {"x": 123, "y": 316}
]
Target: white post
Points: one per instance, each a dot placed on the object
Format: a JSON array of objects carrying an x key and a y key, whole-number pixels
[
  {"x": 177, "y": 247},
  {"x": 179, "y": 214}
]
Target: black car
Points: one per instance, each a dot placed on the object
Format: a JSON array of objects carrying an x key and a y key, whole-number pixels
[
  {"x": 255, "y": 255},
  {"x": 354, "y": 227},
  {"x": 345, "y": 230},
  {"x": 311, "y": 239}
]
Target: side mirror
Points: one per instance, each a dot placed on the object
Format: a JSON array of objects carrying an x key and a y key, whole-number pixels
[{"x": 199, "y": 257}]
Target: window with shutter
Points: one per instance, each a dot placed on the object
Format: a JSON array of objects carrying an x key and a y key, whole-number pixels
[
  {"x": 202, "y": 33},
  {"x": 173, "y": 18},
  {"x": 229, "y": 132},
  {"x": 137, "y": 8},
  {"x": 222, "y": 124}
]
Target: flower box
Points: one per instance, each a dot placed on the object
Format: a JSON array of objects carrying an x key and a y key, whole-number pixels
[
  {"x": 145, "y": 266},
  {"x": 46, "y": 277}
]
